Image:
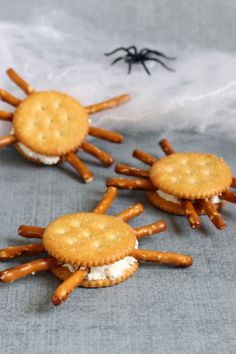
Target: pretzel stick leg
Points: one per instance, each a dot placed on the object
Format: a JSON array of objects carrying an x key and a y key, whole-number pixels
[
  {"x": 233, "y": 183},
  {"x": 30, "y": 231},
  {"x": 9, "y": 98},
  {"x": 166, "y": 147},
  {"x": 151, "y": 229},
  {"x": 122, "y": 183},
  {"x": 143, "y": 156},
  {"x": 212, "y": 213},
  {"x": 229, "y": 196},
  {"x": 131, "y": 212},
  {"x": 106, "y": 201},
  {"x": 64, "y": 290},
  {"x": 7, "y": 140},
  {"x": 104, "y": 134},
  {"x": 17, "y": 251},
  {"x": 80, "y": 167},
  {"x": 179, "y": 260},
  {"x": 131, "y": 171},
  {"x": 21, "y": 271},
  {"x": 191, "y": 214},
  {"x": 19, "y": 81},
  {"x": 101, "y": 155},
  {"x": 8, "y": 116},
  {"x": 113, "y": 102}
]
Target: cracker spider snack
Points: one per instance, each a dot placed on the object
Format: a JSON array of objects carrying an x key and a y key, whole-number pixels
[
  {"x": 89, "y": 249},
  {"x": 49, "y": 127},
  {"x": 187, "y": 183}
]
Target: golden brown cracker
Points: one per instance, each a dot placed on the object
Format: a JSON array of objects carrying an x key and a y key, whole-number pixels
[
  {"x": 88, "y": 239},
  {"x": 174, "y": 208},
  {"x": 51, "y": 123},
  {"x": 191, "y": 175}
]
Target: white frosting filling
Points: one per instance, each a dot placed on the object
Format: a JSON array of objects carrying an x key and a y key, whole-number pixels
[
  {"x": 168, "y": 197},
  {"x": 171, "y": 198},
  {"x": 46, "y": 160},
  {"x": 215, "y": 199},
  {"x": 109, "y": 271}
]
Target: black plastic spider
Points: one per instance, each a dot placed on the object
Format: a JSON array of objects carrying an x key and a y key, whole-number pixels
[{"x": 134, "y": 56}]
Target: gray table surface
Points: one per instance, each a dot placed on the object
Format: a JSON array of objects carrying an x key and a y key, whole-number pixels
[{"x": 159, "y": 310}]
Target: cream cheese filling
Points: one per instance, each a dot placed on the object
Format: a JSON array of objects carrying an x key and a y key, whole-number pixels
[
  {"x": 109, "y": 271},
  {"x": 171, "y": 198},
  {"x": 44, "y": 159}
]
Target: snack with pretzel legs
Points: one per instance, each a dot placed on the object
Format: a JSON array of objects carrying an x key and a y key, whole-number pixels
[
  {"x": 189, "y": 184},
  {"x": 49, "y": 127},
  {"x": 89, "y": 249}
]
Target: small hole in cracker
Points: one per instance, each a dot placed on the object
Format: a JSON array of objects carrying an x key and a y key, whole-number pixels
[
  {"x": 173, "y": 179},
  {"x": 96, "y": 244},
  {"x": 169, "y": 169}
]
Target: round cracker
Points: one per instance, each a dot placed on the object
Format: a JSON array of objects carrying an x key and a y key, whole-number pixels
[
  {"x": 191, "y": 175},
  {"x": 88, "y": 239},
  {"x": 51, "y": 123},
  {"x": 63, "y": 273},
  {"x": 174, "y": 208}
]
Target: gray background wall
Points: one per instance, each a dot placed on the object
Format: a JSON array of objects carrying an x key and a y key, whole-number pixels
[{"x": 206, "y": 23}]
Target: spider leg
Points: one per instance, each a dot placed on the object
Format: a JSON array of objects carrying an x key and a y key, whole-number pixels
[
  {"x": 127, "y": 50},
  {"x": 64, "y": 290},
  {"x": 229, "y": 196},
  {"x": 160, "y": 62},
  {"x": 179, "y": 260},
  {"x": 166, "y": 147},
  {"x": 212, "y": 213},
  {"x": 31, "y": 231},
  {"x": 131, "y": 171},
  {"x": 7, "y": 140},
  {"x": 149, "y": 51},
  {"x": 106, "y": 201},
  {"x": 21, "y": 271},
  {"x": 105, "y": 134},
  {"x": 17, "y": 251},
  {"x": 8, "y": 116},
  {"x": 145, "y": 67},
  {"x": 116, "y": 60},
  {"x": 145, "y": 157},
  {"x": 151, "y": 229},
  {"x": 80, "y": 167},
  {"x": 144, "y": 51},
  {"x": 233, "y": 184},
  {"x": 9, "y": 98},
  {"x": 134, "y": 48},
  {"x": 98, "y": 153},
  {"x": 191, "y": 213},
  {"x": 136, "y": 184},
  {"x": 116, "y": 50},
  {"x": 130, "y": 67},
  {"x": 131, "y": 212},
  {"x": 19, "y": 81},
  {"x": 110, "y": 103}
]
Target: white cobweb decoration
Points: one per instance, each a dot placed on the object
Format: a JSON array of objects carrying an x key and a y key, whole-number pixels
[{"x": 200, "y": 96}]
